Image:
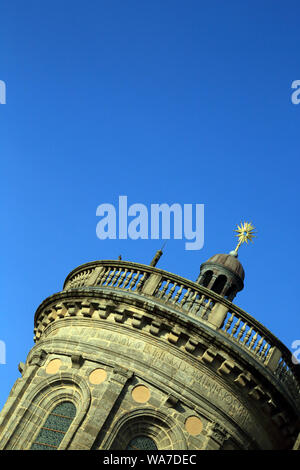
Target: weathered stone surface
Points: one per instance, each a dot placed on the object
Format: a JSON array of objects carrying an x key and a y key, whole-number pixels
[{"x": 191, "y": 371}]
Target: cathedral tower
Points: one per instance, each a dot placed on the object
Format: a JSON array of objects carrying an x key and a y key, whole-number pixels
[{"x": 129, "y": 356}]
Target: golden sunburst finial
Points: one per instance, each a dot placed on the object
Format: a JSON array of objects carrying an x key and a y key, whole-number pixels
[{"x": 245, "y": 233}]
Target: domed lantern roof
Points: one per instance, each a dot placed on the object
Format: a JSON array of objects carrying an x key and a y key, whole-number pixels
[
  {"x": 228, "y": 261},
  {"x": 223, "y": 273}
]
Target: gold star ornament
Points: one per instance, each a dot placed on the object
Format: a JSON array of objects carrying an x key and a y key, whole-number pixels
[{"x": 245, "y": 233}]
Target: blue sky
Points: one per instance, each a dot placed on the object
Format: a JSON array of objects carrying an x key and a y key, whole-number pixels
[{"x": 163, "y": 101}]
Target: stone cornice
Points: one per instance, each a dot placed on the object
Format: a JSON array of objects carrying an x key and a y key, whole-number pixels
[
  {"x": 193, "y": 286},
  {"x": 138, "y": 312}
]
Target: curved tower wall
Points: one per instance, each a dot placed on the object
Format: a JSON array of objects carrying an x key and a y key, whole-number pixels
[{"x": 142, "y": 352}]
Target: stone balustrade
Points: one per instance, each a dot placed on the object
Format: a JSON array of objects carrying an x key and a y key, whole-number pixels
[{"x": 195, "y": 301}]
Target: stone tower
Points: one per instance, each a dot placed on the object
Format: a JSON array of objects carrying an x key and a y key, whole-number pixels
[{"x": 129, "y": 356}]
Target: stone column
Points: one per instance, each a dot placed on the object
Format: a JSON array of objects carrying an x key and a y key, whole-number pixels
[
  {"x": 102, "y": 409},
  {"x": 212, "y": 281}
]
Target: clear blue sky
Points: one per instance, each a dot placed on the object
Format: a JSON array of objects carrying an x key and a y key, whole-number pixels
[{"x": 162, "y": 101}]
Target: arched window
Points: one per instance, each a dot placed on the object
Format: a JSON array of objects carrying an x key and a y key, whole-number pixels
[
  {"x": 206, "y": 278},
  {"x": 219, "y": 284},
  {"x": 142, "y": 428},
  {"x": 141, "y": 443},
  {"x": 55, "y": 427}
]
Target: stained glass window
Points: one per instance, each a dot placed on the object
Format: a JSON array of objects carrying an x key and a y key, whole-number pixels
[
  {"x": 141, "y": 443},
  {"x": 55, "y": 427}
]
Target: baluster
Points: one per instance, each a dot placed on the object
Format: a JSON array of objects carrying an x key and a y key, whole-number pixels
[
  {"x": 241, "y": 332},
  {"x": 228, "y": 323},
  {"x": 193, "y": 300},
  {"x": 121, "y": 278},
  {"x": 197, "y": 304},
  {"x": 141, "y": 282},
  {"x": 134, "y": 279},
  {"x": 112, "y": 273},
  {"x": 171, "y": 291},
  {"x": 82, "y": 277},
  {"x": 253, "y": 341},
  {"x": 164, "y": 289},
  {"x": 235, "y": 328},
  {"x": 200, "y": 303},
  {"x": 178, "y": 294},
  {"x": 105, "y": 276},
  {"x": 116, "y": 278},
  {"x": 283, "y": 371},
  {"x": 86, "y": 277},
  {"x": 279, "y": 365},
  {"x": 263, "y": 351},
  {"x": 157, "y": 292},
  {"x": 185, "y": 297},
  {"x": 102, "y": 277},
  {"x": 128, "y": 279},
  {"x": 190, "y": 300},
  {"x": 259, "y": 344},
  {"x": 206, "y": 308},
  {"x": 248, "y": 335}
]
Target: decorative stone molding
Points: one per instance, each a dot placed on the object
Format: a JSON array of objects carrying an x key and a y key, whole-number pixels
[
  {"x": 193, "y": 299},
  {"x": 21, "y": 367},
  {"x": 38, "y": 358},
  {"x": 218, "y": 433},
  {"x": 257, "y": 393},
  {"x": 174, "y": 335},
  {"x": 137, "y": 320},
  {"x": 155, "y": 327},
  {"x": 172, "y": 401},
  {"x": 243, "y": 379},
  {"x": 77, "y": 361},
  {"x": 206, "y": 371},
  {"x": 209, "y": 355},
  {"x": 187, "y": 320},
  {"x": 144, "y": 322},
  {"x": 33, "y": 407},
  {"x": 191, "y": 345},
  {"x": 153, "y": 423},
  {"x": 87, "y": 309},
  {"x": 226, "y": 367},
  {"x": 121, "y": 375}
]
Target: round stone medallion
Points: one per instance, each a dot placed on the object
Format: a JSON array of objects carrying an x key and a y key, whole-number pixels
[
  {"x": 97, "y": 376},
  {"x": 193, "y": 425},
  {"x": 140, "y": 394},
  {"x": 53, "y": 366}
]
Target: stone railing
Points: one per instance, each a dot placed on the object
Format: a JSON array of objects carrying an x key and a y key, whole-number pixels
[{"x": 197, "y": 302}]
